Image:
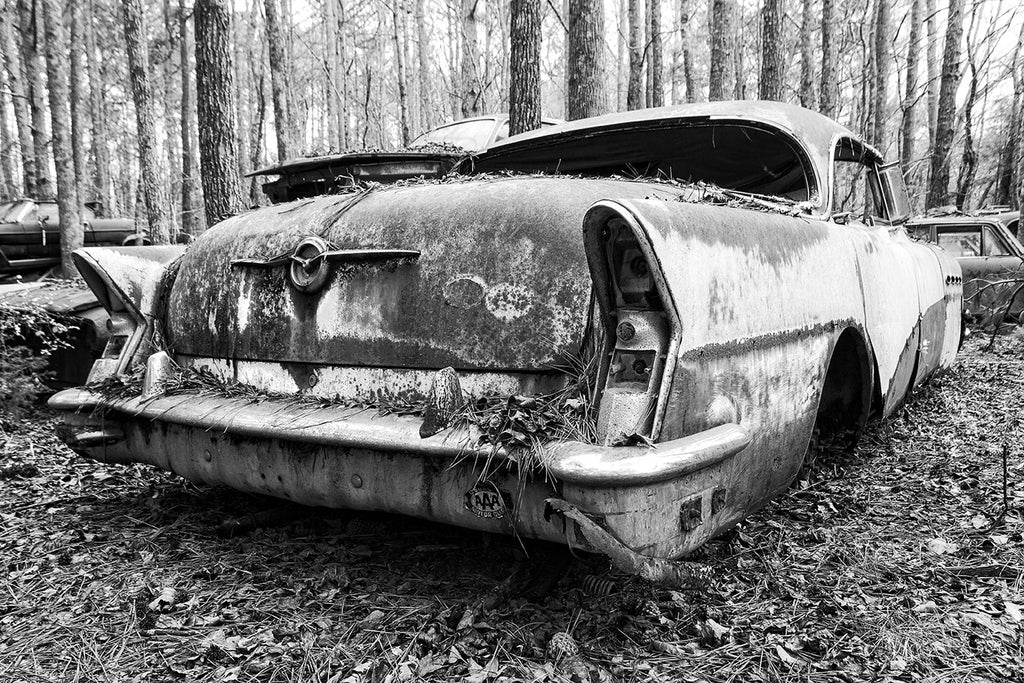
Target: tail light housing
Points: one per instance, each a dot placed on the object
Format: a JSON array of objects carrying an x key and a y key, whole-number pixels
[{"x": 639, "y": 323}]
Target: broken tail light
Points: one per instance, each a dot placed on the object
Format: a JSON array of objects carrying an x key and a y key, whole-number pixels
[{"x": 639, "y": 328}]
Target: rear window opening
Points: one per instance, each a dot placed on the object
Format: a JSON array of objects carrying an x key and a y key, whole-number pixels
[{"x": 736, "y": 156}]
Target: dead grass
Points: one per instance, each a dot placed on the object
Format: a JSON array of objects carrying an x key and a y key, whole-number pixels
[{"x": 896, "y": 562}]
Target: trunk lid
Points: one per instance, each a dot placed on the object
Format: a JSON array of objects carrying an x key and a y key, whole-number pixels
[{"x": 500, "y": 283}]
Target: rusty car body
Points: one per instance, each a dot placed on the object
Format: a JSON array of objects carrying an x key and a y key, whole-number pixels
[
  {"x": 707, "y": 315},
  {"x": 430, "y": 155},
  {"x": 992, "y": 259}
]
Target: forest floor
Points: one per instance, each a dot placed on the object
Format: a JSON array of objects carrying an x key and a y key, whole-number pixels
[{"x": 901, "y": 561}]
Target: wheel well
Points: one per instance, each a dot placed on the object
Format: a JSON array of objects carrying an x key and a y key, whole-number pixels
[{"x": 846, "y": 395}]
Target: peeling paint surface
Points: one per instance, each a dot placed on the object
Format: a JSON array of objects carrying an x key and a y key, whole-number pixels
[{"x": 514, "y": 244}]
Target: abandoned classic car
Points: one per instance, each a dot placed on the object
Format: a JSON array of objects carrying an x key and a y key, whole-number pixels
[
  {"x": 992, "y": 259},
  {"x": 630, "y": 364}
]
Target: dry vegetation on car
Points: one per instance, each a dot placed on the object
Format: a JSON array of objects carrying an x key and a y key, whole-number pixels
[{"x": 902, "y": 561}]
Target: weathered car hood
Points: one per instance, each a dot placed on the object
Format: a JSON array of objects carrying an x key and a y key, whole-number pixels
[{"x": 501, "y": 281}]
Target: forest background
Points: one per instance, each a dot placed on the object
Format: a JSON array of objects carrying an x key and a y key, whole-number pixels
[{"x": 150, "y": 107}]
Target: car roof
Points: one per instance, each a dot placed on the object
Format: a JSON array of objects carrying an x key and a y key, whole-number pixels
[
  {"x": 812, "y": 132},
  {"x": 1002, "y": 217}
]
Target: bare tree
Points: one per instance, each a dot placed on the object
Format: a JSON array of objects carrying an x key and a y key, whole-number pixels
[
  {"x": 426, "y": 94},
  {"x": 655, "y": 65},
  {"x": 807, "y": 98},
  {"x": 19, "y": 100},
  {"x": 280, "y": 71},
  {"x": 721, "y": 48},
  {"x": 1008, "y": 172},
  {"x": 769, "y": 85},
  {"x": 829, "y": 97},
  {"x": 524, "y": 65},
  {"x": 634, "y": 91},
  {"x": 98, "y": 119},
  {"x": 882, "y": 63},
  {"x": 938, "y": 184},
  {"x": 686, "y": 50},
  {"x": 471, "y": 87},
  {"x": 933, "y": 70},
  {"x": 56, "y": 40},
  {"x": 585, "y": 47},
  {"x": 400, "y": 61},
  {"x": 35, "y": 77},
  {"x": 218, "y": 152},
  {"x": 910, "y": 99},
  {"x": 191, "y": 211},
  {"x": 142, "y": 94},
  {"x": 79, "y": 98}
]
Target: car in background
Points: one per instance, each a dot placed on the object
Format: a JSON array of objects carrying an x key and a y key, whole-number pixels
[
  {"x": 30, "y": 235},
  {"x": 627, "y": 344},
  {"x": 990, "y": 255},
  {"x": 431, "y": 155}
]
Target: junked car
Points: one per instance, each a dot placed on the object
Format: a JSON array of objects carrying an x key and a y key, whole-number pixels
[
  {"x": 992, "y": 259},
  {"x": 30, "y": 235},
  {"x": 630, "y": 345},
  {"x": 430, "y": 155}
]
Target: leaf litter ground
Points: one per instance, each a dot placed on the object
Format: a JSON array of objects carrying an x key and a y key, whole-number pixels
[{"x": 900, "y": 561}]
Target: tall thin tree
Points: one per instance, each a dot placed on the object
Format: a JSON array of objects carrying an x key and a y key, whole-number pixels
[
  {"x": 769, "y": 85},
  {"x": 655, "y": 65},
  {"x": 828, "y": 99},
  {"x": 103, "y": 182},
  {"x": 156, "y": 204},
  {"x": 634, "y": 91},
  {"x": 19, "y": 100},
  {"x": 882, "y": 65},
  {"x": 280, "y": 71},
  {"x": 469, "y": 77},
  {"x": 32, "y": 42},
  {"x": 687, "y": 51},
  {"x": 721, "y": 49},
  {"x": 218, "y": 150},
  {"x": 524, "y": 66},
  {"x": 938, "y": 183},
  {"x": 910, "y": 98},
  {"x": 585, "y": 47},
  {"x": 57, "y": 46},
  {"x": 807, "y": 98}
]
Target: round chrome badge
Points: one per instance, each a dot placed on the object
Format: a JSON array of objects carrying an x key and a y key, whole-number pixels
[{"x": 309, "y": 269}]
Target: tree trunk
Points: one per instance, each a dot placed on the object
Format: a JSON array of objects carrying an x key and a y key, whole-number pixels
[
  {"x": 35, "y": 76},
  {"x": 469, "y": 78},
  {"x": 656, "y": 66},
  {"x": 403, "y": 96},
  {"x": 332, "y": 66},
  {"x": 969, "y": 159},
  {"x": 684, "y": 46},
  {"x": 218, "y": 152},
  {"x": 634, "y": 91},
  {"x": 79, "y": 100},
  {"x": 806, "y": 50},
  {"x": 908, "y": 123},
  {"x": 57, "y": 47},
  {"x": 739, "y": 78},
  {"x": 191, "y": 216},
  {"x": 586, "y": 96},
  {"x": 829, "y": 90},
  {"x": 280, "y": 75},
  {"x": 1008, "y": 177},
  {"x": 22, "y": 114},
  {"x": 426, "y": 121},
  {"x": 769, "y": 86},
  {"x": 9, "y": 185},
  {"x": 933, "y": 71},
  {"x": 142, "y": 94},
  {"x": 98, "y": 120},
  {"x": 880, "y": 85},
  {"x": 721, "y": 49},
  {"x": 524, "y": 67},
  {"x": 938, "y": 184}
]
